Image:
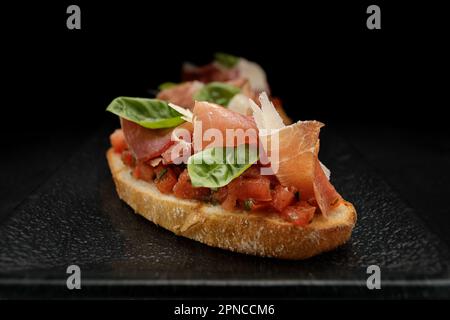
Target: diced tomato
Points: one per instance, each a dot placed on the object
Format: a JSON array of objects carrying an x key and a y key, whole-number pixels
[
  {"x": 165, "y": 179},
  {"x": 232, "y": 190},
  {"x": 282, "y": 197},
  {"x": 260, "y": 205},
  {"x": 184, "y": 189},
  {"x": 144, "y": 171},
  {"x": 252, "y": 172},
  {"x": 255, "y": 172},
  {"x": 254, "y": 188},
  {"x": 241, "y": 188},
  {"x": 220, "y": 195},
  {"x": 136, "y": 173},
  {"x": 127, "y": 158},
  {"x": 118, "y": 141},
  {"x": 230, "y": 202},
  {"x": 273, "y": 181},
  {"x": 300, "y": 214},
  {"x": 178, "y": 170}
]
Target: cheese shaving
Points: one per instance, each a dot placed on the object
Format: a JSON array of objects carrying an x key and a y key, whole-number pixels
[
  {"x": 326, "y": 170},
  {"x": 186, "y": 113},
  {"x": 154, "y": 162},
  {"x": 240, "y": 104},
  {"x": 254, "y": 73},
  {"x": 267, "y": 116}
]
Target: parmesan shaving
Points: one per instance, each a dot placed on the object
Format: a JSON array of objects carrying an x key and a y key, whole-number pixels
[
  {"x": 196, "y": 86},
  {"x": 156, "y": 161},
  {"x": 240, "y": 104},
  {"x": 267, "y": 116},
  {"x": 187, "y": 114},
  {"x": 326, "y": 170},
  {"x": 254, "y": 73}
]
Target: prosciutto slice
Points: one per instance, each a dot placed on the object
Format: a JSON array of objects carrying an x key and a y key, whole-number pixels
[
  {"x": 182, "y": 94},
  {"x": 298, "y": 164},
  {"x": 212, "y": 116},
  {"x": 181, "y": 149},
  {"x": 208, "y": 73},
  {"x": 293, "y": 151},
  {"x": 144, "y": 143}
]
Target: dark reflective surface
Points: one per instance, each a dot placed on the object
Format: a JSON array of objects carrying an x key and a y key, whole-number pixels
[{"x": 77, "y": 218}]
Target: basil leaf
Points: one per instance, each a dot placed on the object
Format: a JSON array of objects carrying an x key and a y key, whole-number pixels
[
  {"x": 167, "y": 85},
  {"x": 161, "y": 174},
  {"x": 216, "y": 167},
  {"x": 226, "y": 60},
  {"x": 217, "y": 92},
  {"x": 149, "y": 113},
  {"x": 248, "y": 204}
]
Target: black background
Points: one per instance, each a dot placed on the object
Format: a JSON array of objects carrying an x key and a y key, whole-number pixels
[
  {"x": 385, "y": 91},
  {"x": 319, "y": 56}
]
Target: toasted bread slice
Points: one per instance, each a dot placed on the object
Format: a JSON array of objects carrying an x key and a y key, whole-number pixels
[{"x": 262, "y": 234}]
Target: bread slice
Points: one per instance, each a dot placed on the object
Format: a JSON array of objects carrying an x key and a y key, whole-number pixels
[{"x": 251, "y": 233}]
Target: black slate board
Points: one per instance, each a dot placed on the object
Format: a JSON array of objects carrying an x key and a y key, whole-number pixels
[{"x": 77, "y": 218}]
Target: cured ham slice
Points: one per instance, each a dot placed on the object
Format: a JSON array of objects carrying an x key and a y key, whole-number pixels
[
  {"x": 208, "y": 73},
  {"x": 145, "y": 144},
  {"x": 325, "y": 194},
  {"x": 299, "y": 166},
  {"x": 181, "y": 149},
  {"x": 181, "y": 95},
  {"x": 215, "y": 72},
  {"x": 294, "y": 156},
  {"x": 211, "y": 116},
  {"x": 297, "y": 156},
  {"x": 215, "y": 116}
]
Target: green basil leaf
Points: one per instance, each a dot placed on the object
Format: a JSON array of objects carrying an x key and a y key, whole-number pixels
[
  {"x": 217, "y": 92},
  {"x": 167, "y": 85},
  {"x": 149, "y": 113},
  {"x": 216, "y": 167},
  {"x": 226, "y": 60},
  {"x": 161, "y": 173},
  {"x": 248, "y": 204}
]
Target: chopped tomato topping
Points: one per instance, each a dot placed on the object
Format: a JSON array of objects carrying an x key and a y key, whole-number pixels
[
  {"x": 255, "y": 172},
  {"x": 185, "y": 190},
  {"x": 232, "y": 190},
  {"x": 143, "y": 171},
  {"x": 230, "y": 202},
  {"x": 118, "y": 141},
  {"x": 166, "y": 179},
  {"x": 220, "y": 194},
  {"x": 300, "y": 214},
  {"x": 251, "y": 191},
  {"x": 178, "y": 170},
  {"x": 254, "y": 188},
  {"x": 282, "y": 197},
  {"x": 127, "y": 158},
  {"x": 252, "y": 172},
  {"x": 146, "y": 143}
]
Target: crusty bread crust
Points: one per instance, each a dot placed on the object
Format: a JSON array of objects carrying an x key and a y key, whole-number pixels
[{"x": 251, "y": 233}]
